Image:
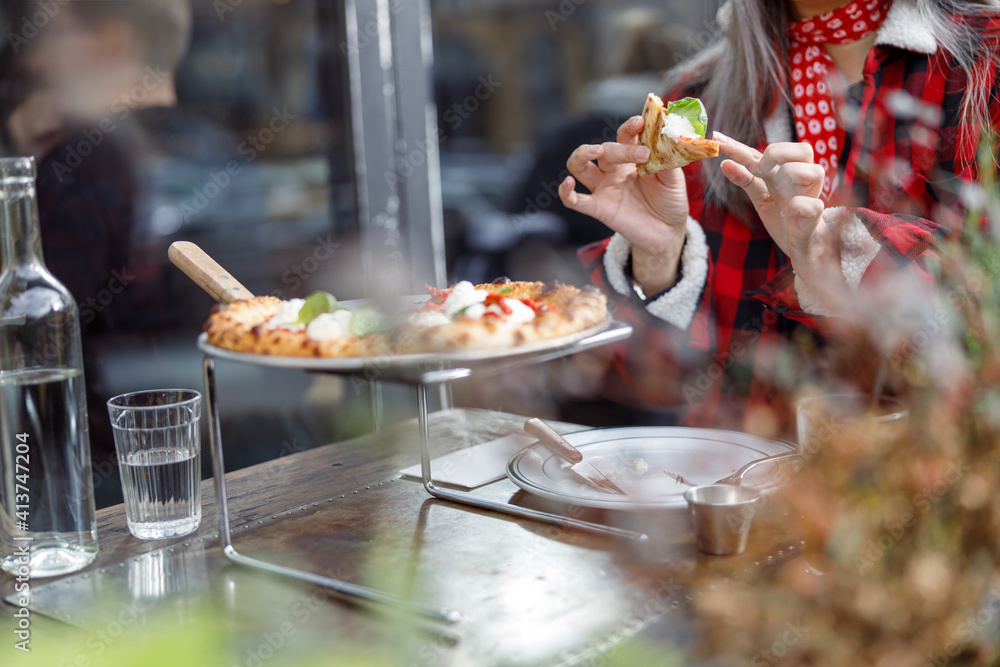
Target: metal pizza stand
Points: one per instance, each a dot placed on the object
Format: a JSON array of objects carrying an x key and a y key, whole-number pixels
[{"x": 423, "y": 371}]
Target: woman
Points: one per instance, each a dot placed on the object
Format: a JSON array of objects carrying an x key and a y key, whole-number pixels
[{"x": 867, "y": 115}]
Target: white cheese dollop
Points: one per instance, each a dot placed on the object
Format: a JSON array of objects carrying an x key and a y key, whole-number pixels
[
  {"x": 475, "y": 311},
  {"x": 328, "y": 326},
  {"x": 288, "y": 313},
  {"x": 430, "y": 318},
  {"x": 521, "y": 313},
  {"x": 675, "y": 127},
  {"x": 465, "y": 296}
]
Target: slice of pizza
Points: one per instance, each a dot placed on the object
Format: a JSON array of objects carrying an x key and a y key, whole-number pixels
[{"x": 675, "y": 134}]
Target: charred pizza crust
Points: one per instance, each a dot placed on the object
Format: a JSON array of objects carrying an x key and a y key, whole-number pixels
[
  {"x": 667, "y": 153},
  {"x": 240, "y": 326}
]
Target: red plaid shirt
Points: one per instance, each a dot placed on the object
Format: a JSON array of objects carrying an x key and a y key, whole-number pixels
[{"x": 906, "y": 161}]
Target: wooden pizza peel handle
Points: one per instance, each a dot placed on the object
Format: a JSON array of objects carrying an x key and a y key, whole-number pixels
[{"x": 205, "y": 271}]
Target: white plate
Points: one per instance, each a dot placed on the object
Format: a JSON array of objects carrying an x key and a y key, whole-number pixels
[
  {"x": 701, "y": 456},
  {"x": 406, "y": 361}
]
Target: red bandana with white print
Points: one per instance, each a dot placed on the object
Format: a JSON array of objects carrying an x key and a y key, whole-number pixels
[{"x": 816, "y": 89}]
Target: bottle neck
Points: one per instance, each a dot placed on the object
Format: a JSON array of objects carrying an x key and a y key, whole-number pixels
[{"x": 22, "y": 240}]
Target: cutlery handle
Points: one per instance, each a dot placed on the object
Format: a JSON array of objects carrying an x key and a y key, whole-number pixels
[
  {"x": 205, "y": 271},
  {"x": 554, "y": 442},
  {"x": 737, "y": 477}
]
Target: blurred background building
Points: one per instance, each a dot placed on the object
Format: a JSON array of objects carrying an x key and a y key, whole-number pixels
[{"x": 254, "y": 159}]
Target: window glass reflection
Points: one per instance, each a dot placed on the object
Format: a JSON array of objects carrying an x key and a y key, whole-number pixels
[{"x": 161, "y": 120}]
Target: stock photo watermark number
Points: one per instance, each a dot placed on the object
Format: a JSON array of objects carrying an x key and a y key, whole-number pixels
[
  {"x": 21, "y": 472},
  {"x": 22, "y": 587}
]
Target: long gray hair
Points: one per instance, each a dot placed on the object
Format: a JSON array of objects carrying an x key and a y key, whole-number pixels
[{"x": 742, "y": 73}]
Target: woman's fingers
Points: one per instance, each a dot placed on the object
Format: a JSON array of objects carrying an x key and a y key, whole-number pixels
[
  {"x": 574, "y": 200},
  {"x": 803, "y": 209},
  {"x": 614, "y": 155},
  {"x": 581, "y": 165},
  {"x": 609, "y": 157},
  {"x": 629, "y": 131},
  {"x": 786, "y": 169},
  {"x": 767, "y": 163},
  {"x": 797, "y": 178},
  {"x": 755, "y": 187},
  {"x": 783, "y": 153},
  {"x": 741, "y": 154},
  {"x": 800, "y": 216}
]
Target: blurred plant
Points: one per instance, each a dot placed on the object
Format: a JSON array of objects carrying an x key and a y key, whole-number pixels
[
  {"x": 906, "y": 522},
  {"x": 205, "y": 639}
]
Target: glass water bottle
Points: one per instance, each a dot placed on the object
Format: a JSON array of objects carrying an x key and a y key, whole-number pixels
[{"x": 47, "y": 520}]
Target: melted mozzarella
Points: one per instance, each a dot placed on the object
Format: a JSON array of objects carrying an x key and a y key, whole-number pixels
[
  {"x": 467, "y": 301},
  {"x": 521, "y": 313},
  {"x": 476, "y": 311},
  {"x": 329, "y": 326},
  {"x": 675, "y": 127},
  {"x": 286, "y": 316},
  {"x": 430, "y": 318},
  {"x": 465, "y": 296}
]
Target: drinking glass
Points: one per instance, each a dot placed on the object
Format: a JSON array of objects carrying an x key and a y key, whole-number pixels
[{"x": 159, "y": 453}]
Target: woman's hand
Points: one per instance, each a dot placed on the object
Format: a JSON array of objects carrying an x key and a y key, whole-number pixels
[
  {"x": 650, "y": 211},
  {"x": 784, "y": 186}
]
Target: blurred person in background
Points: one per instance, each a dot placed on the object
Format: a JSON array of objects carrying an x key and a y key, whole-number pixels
[
  {"x": 633, "y": 52},
  {"x": 851, "y": 131},
  {"x": 101, "y": 115}
]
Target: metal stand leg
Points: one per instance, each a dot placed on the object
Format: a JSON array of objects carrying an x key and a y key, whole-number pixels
[
  {"x": 444, "y": 394},
  {"x": 504, "y": 508},
  {"x": 347, "y": 591},
  {"x": 377, "y": 410}
]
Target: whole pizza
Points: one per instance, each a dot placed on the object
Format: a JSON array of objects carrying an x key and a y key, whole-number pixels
[{"x": 497, "y": 315}]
